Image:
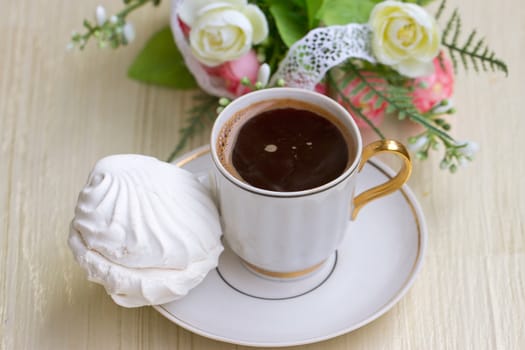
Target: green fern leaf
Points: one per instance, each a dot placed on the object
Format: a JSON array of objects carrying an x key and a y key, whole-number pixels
[
  {"x": 478, "y": 46},
  {"x": 397, "y": 97},
  {"x": 358, "y": 88},
  {"x": 378, "y": 103},
  {"x": 474, "y": 64},
  {"x": 464, "y": 60},
  {"x": 448, "y": 26},
  {"x": 487, "y": 60},
  {"x": 368, "y": 96},
  {"x": 390, "y": 109},
  {"x": 469, "y": 40},
  {"x": 204, "y": 110},
  {"x": 457, "y": 30},
  {"x": 347, "y": 79},
  {"x": 441, "y": 8}
]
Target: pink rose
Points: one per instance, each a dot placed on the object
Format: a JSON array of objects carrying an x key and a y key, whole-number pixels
[
  {"x": 232, "y": 72},
  {"x": 375, "y": 113},
  {"x": 434, "y": 88}
]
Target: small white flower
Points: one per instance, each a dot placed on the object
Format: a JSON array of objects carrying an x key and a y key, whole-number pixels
[
  {"x": 470, "y": 148},
  {"x": 441, "y": 109},
  {"x": 419, "y": 144},
  {"x": 113, "y": 19},
  {"x": 100, "y": 15},
  {"x": 263, "y": 75},
  {"x": 129, "y": 32},
  {"x": 463, "y": 162}
]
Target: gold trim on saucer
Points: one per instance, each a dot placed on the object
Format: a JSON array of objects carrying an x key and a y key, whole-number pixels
[
  {"x": 188, "y": 159},
  {"x": 276, "y": 274},
  {"x": 414, "y": 213}
]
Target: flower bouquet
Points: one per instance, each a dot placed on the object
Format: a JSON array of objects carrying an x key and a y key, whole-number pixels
[{"x": 378, "y": 59}]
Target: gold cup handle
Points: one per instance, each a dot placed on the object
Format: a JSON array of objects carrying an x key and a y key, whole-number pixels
[{"x": 383, "y": 146}]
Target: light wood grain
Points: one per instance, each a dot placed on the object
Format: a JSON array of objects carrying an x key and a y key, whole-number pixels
[{"x": 60, "y": 112}]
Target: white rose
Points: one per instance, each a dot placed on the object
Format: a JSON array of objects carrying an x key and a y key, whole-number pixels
[
  {"x": 222, "y": 30},
  {"x": 405, "y": 37}
]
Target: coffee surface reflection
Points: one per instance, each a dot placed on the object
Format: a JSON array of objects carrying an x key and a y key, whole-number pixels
[{"x": 289, "y": 149}]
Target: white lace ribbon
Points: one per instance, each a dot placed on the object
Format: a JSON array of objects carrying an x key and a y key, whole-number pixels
[
  {"x": 307, "y": 60},
  {"x": 321, "y": 49}
]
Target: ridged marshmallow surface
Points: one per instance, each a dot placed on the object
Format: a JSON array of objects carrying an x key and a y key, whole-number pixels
[{"x": 146, "y": 230}]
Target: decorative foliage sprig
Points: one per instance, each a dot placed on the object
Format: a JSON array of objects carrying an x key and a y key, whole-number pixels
[
  {"x": 479, "y": 54},
  {"x": 203, "y": 113},
  {"x": 411, "y": 75},
  {"x": 397, "y": 96},
  {"x": 111, "y": 32}
]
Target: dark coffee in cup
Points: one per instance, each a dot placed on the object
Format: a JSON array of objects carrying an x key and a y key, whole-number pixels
[{"x": 284, "y": 146}]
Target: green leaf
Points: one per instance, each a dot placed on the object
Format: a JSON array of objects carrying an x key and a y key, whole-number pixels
[
  {"x": 368, "y": 96},
  {"x": 289, "y": 23},
  {"x": 312, "y": 9},
  {"x": 334, "y": 12},
  {"x": 378, "y": 103},
  {"x": 203, "y": 111},
  {"x": 161, "y": 63},
  {"x": 390, "y": 109}
]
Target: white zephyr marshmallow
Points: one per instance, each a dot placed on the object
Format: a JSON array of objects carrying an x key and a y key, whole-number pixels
[{"x": 146, "y": 230}]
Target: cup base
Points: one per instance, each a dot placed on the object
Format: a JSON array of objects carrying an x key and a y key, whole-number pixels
[
  {"x": 286, "y": 276},
  {"x": 239, "y": 276}
]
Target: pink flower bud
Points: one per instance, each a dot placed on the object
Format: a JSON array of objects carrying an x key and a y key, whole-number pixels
[
  {"x": 434, "y": 88},
  {"x": 232, "y": 72}
]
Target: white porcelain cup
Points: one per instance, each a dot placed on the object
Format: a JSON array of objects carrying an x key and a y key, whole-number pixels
[{"x": 290, "y": 234}]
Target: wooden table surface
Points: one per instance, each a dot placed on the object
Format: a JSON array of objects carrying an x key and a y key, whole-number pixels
[{"x": 60, "y": 112}]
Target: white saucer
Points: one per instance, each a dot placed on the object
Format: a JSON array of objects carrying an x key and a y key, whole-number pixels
[{"x": 374, "y": 267}]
